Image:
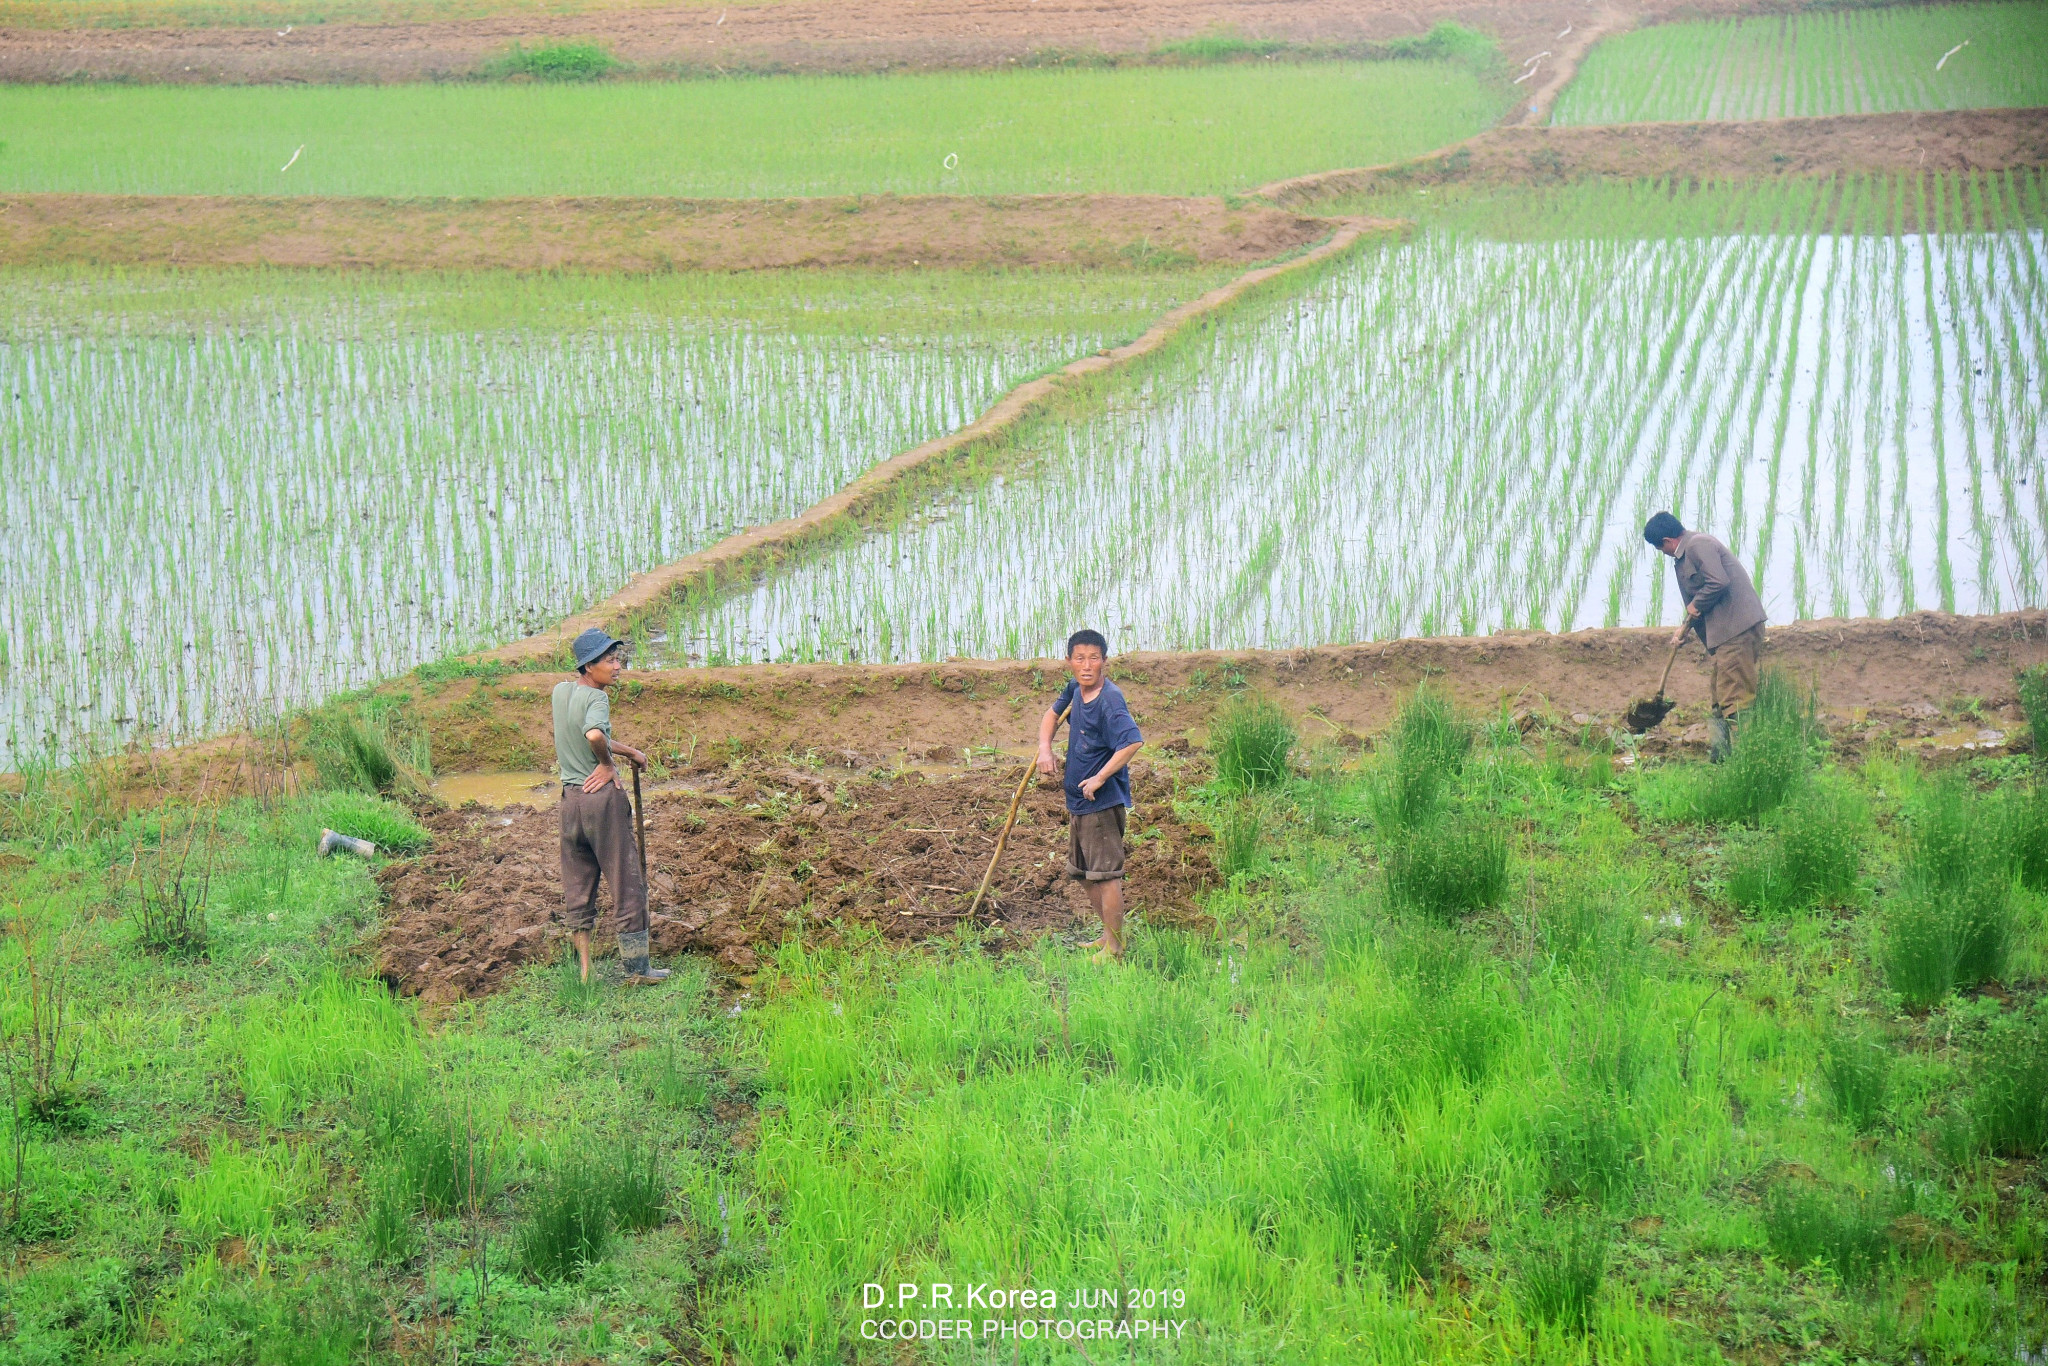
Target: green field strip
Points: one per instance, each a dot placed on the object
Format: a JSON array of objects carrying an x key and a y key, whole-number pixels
[
  {"x": 1843, "y": 61},
  {"x": 1154, "y": 131}
]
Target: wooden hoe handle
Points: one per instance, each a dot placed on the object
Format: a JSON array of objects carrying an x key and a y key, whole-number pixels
[
  {"x": 640, "y": 825},
  {"x": 1676, "y": 645},
  {"x": 1010, "y": 820}
]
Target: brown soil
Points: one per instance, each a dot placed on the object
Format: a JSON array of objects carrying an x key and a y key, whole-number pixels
[
  {"x": 866, "y": 715},
  {"x": 744, "y": 859},
  {"x": 644, "y": 234},
  {"x": 806, "y": 35},
  {"x": 1952, "y": 140},
  {"x": 811, "y": 799}
]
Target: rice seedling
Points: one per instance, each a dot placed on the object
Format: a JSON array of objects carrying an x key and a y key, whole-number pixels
[
  {"x": 1159, "y": 130},
  {"x": 567, "y": 1221},
  {"x": 1313, "y": 469},
  {"x": 1850, "y": 1234},
  {"x": 201, "y": 445},
  {"x": 1843, "y": 61},
  {"x": 2009, "y": 1107},
  {"x": 1810, "y": 855},
  {"x": 1856, "y": 1070},
  {"x": 1251, "y": 739},
  {"x": 1560, "y": 1266}
]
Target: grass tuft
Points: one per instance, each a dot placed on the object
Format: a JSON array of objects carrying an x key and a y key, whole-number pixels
[
  {"x": 546, "y": 61},
  {"x": 1950, "y": 922},
  {"x": 1810, "y": 855},
  {"x": 1251, "y": 739},
  {"x": 385, "y": 824},
  {"x": 1559, "y": 1269},
  {"x": 1856, "y": 1069},
  {"x": 2009, "y": 1113},
  {"x": 1448, "y": 867},
  {"x": 389, "y": 1235},
  {"x": 568, "y": 1221},
  {"x": 1240, "y": 836},
  {"x": 1850, "y": 1234},
  {"x": 1773, "y": 752}
]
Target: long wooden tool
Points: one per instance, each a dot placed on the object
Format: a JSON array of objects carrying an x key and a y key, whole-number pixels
[
  {"x": 640, "y": 824},
  {"x": 1011, "y": 819}
]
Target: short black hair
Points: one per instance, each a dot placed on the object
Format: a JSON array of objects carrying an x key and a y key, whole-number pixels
[
  {"x": 618, "y": 649},
  {"x": 1085, "y": 637},
  {"x": 1661, "y": 528}
]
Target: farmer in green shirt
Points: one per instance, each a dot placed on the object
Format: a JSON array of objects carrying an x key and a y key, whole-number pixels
[{"x": 597, "y": 818}]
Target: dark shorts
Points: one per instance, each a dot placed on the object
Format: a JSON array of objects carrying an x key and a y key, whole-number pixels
[{"x": 1095, "y": 845}]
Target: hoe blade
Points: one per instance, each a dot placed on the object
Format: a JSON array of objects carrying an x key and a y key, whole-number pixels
[{"x": 1644, "y": 713}]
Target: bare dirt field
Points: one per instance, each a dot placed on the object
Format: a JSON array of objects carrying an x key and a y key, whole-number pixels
[
  {"x": 807, "y": 35},
  {"x": 817, "y": 798},
  {"x": 741, "y": 855},
  {"x": 1950, "y": 140},
  {"x": 644, "y": 234}
]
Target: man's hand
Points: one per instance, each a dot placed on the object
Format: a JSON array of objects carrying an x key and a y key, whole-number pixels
[
  {"x": 637, "y": 758},
  {"x": 599, "y": 776},
  {"x": 1045, "y": 762},
  {"x": 1678, "y": 636},
  {"x": 1091, "y": 786}
]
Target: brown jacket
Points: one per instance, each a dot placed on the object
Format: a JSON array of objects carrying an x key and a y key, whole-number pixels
[{"x": 1710, "y": 575}]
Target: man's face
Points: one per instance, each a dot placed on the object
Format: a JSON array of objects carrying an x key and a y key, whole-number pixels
[
  {"x": 605, "y": 672},
  {"x": 1087, "y": 662},
  {"x": 1669, "y": 545}
]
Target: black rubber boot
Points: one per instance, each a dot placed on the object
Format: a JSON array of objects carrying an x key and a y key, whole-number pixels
[{"x": 1720, "y": 738}]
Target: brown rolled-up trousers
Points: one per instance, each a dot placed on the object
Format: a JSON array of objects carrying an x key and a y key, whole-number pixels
[
  {"x": 597, "y": 838},
  {"x": 1736, "y": 662}
]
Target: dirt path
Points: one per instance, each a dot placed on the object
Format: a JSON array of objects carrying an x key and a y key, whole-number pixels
[
  {"x": 806, "y": 35},
  {"x": 644, "y": 234},
  {"x": 753, "y": 550},
  {"x": 1953, "y": 140},
  {"x": 863, "y": 715},
  {"x": 1573, "y": 43}
]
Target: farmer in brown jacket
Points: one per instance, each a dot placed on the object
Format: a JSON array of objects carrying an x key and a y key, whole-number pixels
[{"x": 1722, "y": 605}]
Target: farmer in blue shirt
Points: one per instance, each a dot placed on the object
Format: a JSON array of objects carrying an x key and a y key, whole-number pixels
[{"x": 1101, "y": 739}]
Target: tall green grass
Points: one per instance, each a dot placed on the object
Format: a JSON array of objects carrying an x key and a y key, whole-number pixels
[
  {"x": 1161, "y": 130},
  {"x": 1950, "y": 923},
  {"x": 1810, "y": 853},
  {"x": 1251, "y": 739}
]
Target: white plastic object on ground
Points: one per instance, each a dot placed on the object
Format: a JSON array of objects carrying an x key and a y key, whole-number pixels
[
  {"x": 333, "y": 842},
  {"x": 1950, "y": 53},
  {"x": 295, "y": 157}
]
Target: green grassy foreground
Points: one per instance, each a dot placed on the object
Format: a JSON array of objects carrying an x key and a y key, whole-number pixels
[
  {"x": 1499, "y": 1050},
  {"x": 1166, "y": 130}
]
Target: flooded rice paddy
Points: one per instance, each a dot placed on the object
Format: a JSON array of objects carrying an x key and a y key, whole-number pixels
[
  {"x": 1459, "y": 435},
  {"x": 209, "y": 523}
]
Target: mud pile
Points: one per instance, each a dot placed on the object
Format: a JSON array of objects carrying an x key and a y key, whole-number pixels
[{"x": 738, "y": 862}]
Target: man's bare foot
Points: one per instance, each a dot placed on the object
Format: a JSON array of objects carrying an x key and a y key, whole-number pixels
[
  {"x": 1095, "y": 943},
  {"x": 1108, "y": 956}
]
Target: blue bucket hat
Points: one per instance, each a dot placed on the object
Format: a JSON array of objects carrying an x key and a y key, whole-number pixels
[{"x": 591, "y": 647}]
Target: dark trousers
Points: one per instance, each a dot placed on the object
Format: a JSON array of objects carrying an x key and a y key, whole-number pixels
[{"x": 597, "y": 838}]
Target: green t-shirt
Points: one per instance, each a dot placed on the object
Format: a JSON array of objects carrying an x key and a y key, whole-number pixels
[{"x": 579, "y": 709}]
